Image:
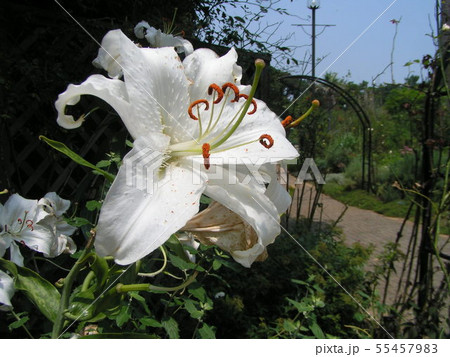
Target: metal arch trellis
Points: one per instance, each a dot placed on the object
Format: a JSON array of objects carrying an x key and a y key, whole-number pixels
[{"x": 366, "y": 165}]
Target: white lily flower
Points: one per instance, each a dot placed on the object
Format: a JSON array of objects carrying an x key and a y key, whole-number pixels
[
  {"x": 156, "y": 38},
  {"x": 6, "y": 291},
  {"x": 193, "y": 133},
  {"x": 55, "y": 206},
  {"x": 25, "y": 221}
]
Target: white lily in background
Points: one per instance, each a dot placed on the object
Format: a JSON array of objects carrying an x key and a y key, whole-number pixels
[
  {"x": 6, "y": 291},
  {"x": 56, "y": 207},
  {"x": 157, "y": 38},
  {"x": 26, "y": 222},
  {"x": 196, "y": 130}
]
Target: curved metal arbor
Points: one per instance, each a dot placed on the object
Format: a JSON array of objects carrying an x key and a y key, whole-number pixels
[{"x": 366, "y": 164}]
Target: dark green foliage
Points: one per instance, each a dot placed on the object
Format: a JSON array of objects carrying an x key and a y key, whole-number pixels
[{"x": 265, "y": 301}]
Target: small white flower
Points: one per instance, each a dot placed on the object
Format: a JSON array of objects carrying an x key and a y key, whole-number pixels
[
  {"x": 445, "y": 27},
  {"x": 219, "y": 295},
  {"x": 156, "y": 38},
  {"x": 35, "y": 225},
  {"x": 190, "y": 242},
  {"x": 55, "y": 206}
]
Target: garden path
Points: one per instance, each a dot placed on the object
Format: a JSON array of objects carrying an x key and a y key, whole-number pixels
[{"x": 362, "y": 226}]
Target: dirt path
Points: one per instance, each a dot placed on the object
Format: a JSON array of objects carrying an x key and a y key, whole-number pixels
[{"x": 359, "y": 225}]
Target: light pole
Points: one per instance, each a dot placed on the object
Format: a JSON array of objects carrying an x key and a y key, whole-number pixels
[{"x": 313, "y": 5}]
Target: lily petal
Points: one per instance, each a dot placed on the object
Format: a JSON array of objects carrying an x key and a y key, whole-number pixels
[
  {"x": 62, "y": 244},
  {"x": 156, "y": 38},
  {"x": 6, "y": 291},
  {"x": 134, "y": 222},
  {"x": 252, "y": 206},
  {"x": 217, "y": 225},
  {"x": 158, "y": 106},
  {"x": 204, "y": 67},
  {"x": 108, "y": 56},
  {"x": 276, "y": 192},
  {"x": 15, "y": 256},
  {"x": 112, "y": 91},
  {"x": 58, "y": 204}
]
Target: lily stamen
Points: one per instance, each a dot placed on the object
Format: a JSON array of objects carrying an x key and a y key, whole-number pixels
[
  {"x": 195, "y": 103},
  {"x": 266, "y": 141},
  {"x": 288, "y": 120},
  {"x": 206, "y": 153},
  {"x": 314, "y": 104},
  {"x": 233, "y": 88},
  {"x": 253, "y": 111},
  {"x": 30, "y": 223},
  {"x": 218, "y": 90}
]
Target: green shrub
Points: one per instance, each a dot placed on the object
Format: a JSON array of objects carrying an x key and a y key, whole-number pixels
[{"x": 289, "y": 295}]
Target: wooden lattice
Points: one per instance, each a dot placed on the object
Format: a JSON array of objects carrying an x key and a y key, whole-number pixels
[{"x": 42, "y": 60}]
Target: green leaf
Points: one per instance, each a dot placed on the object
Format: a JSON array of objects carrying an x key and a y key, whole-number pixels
[
  {"x": 171, "y": 327},
  {"x": 300, "y": 282},
  {"x": 190, "y": 307},
  {"x": 317, "y": 331},
  {"x": 93, "y": 205},
  {"x": 100, "y": 267},
  {"x": 135, "y": 295},
  {"x": 123, "y": 316},
  {"x": 216, "y": 264},
  {"x": 289, "y": 326},
  {"x": 78, "y": 221},
  {"x": 38, "y": 290},
  {"x": 148, "y": 321},
  {"x": 180, "y": 263},
  {"x": 19, "y": 323},
  {"x": 103, "y": 163},
  {"x": 206, "y": 332},
  {"x": 176, "y": 247},
  {"x": 75, "y": 157},
  {"x": 301, "y": 306},
  {"x": 205, "y": 200},
  {"x": 81, "y": 307},
  {"x": 199, "y": 292}
]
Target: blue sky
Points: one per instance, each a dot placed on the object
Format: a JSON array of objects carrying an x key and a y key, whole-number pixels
[{"x": 366, "y": 58}]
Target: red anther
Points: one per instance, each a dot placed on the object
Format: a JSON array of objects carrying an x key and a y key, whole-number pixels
[
  {"x": 266, "y": 141},
  {"x": 288, "y": 120},
  {"x": 193, "y": 104},
  {"x": 253, "y": 111},
  {"x": 205, "y": 149},
  {"x": 29, "y": 223},
  {"x": 233, "y": 88},
  {"x": 19, "y": 220},
  {"x": 218, "y": 90},
  {"x": 183, "y": 33}
]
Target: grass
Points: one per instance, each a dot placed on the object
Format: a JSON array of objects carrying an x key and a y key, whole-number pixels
[{"x": 366, "y": 200}]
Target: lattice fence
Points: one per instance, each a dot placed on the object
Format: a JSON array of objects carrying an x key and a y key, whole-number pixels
[{"x": 42, "y": 60}]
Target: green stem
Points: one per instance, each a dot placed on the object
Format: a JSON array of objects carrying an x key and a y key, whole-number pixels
[
  {"x": 120, "y": 288},
  {"x": 87, "y": 281},
  {"x": 24, "y": 327},
  {"x": 67, "y": 288},
  {"x": 298, "y": 120},
  {"x": 160, "y": 270}
]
